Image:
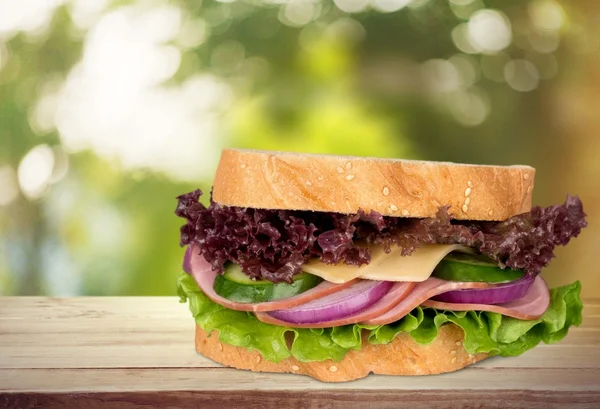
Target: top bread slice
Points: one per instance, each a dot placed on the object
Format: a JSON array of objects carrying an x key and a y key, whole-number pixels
[{"x": 392, "y": 187}]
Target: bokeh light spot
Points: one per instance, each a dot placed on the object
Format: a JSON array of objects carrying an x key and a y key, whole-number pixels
[
  {"x": 521, "y": 75},
  {"x": 440, "y": 75},
  {"x": 25, "y": 15},
  {"x": 42, "y": 116},
  {"x": 415, "y": 4},
  {"x": 35, "y": 171},
  {"x": 389, "y": 6},
  {"x": 351, "y": 6},
  {"x": 347, "y": 30},
  {"x": 464, "y": 11},
  {"x": 228, "y": 56},
  {"x": 546, "y": 15},
  {"x": 86, "y": 13},
  {"x": 460, "y": 38},
  {"x": 469, "y": 107},
  {"x": 256, "y": 68},
  {"x": 543, "y": 42},
  {"x": 467, "y": 68},
  {"x": 217, "y": 14},
  {"x": 299, "y": 13},
  {"x": 193, "y": 33},
  {"x": 489, "y": 31}
]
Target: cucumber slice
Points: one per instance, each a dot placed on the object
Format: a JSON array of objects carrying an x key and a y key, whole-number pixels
[
  {"x": 233, "y": 272},
  {"x": 470, "y": 258},
  {"x": 473, "y": 267},
  {"x": 234, "y": 285}
]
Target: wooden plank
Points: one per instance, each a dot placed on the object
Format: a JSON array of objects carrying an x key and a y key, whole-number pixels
[
  {"x": 109, "y": 332},
  {"x": 41, "y": 308},
  {"x": 357, "y": 399},
  {"x": 544, "y": 356},
  {"x": 591, "y": 308},
  {"x": 226, "y": 379}
]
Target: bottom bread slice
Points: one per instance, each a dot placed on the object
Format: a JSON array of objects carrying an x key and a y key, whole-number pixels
[{"x": 402, "y": 356}]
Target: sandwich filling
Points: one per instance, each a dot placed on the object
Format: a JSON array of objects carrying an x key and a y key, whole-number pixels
[{"x": 315, "y": 283}]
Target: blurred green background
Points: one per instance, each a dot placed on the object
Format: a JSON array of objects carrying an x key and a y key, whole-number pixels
[{"x": 109, "y": 109}]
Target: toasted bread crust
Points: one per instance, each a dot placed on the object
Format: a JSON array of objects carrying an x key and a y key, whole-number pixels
[
  {"x": 392, "y": 187},
  {"x": 402, "y": 356}
]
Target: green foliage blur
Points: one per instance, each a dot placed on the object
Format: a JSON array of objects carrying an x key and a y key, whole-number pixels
[{"x": 110, "y": 109}]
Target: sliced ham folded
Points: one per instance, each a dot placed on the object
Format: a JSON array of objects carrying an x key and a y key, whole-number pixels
[
  {"x": 205, "y": 276},
  {"x": 396, "y": 294},
  {"x": 530, "y": 307},
  {"x": 421, "y": 293}
]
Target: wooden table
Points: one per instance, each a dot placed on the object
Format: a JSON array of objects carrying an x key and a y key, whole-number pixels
[{"x": 139, "y": 352}]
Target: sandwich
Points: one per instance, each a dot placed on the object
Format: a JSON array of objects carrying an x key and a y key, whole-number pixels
[{"x": 337, "y": 267}]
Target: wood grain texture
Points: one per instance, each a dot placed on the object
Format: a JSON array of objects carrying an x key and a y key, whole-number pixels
[
  {"x": 138, "y": 352},
  {"x": 359, "y": 399},
  {"x": 392, "y": 187}
]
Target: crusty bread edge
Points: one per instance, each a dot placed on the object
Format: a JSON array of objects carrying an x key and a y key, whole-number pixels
[
  {"x": 402, "y": 356},
  {"x": 392, "y": 187}
]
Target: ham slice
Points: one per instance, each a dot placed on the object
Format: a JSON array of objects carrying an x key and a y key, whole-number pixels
[
  {"x": 421, "y": 293},
  {"x": 530, "y": 307},
  {"x": 397, "y": 293},
  {"x": 204, "y": 275}
]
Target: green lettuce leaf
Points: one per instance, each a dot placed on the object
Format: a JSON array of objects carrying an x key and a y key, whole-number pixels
[{"x": 484, "y": 331}]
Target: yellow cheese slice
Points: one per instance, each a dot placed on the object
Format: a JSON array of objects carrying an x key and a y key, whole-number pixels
[
  {"x": 416, "y": 267},
  {"x": 341, "y": 273}
]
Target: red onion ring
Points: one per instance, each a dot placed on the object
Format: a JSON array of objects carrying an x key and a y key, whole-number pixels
[
  {"x": 498, "y": 294},
  {"x": 341, "y": 304}
]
